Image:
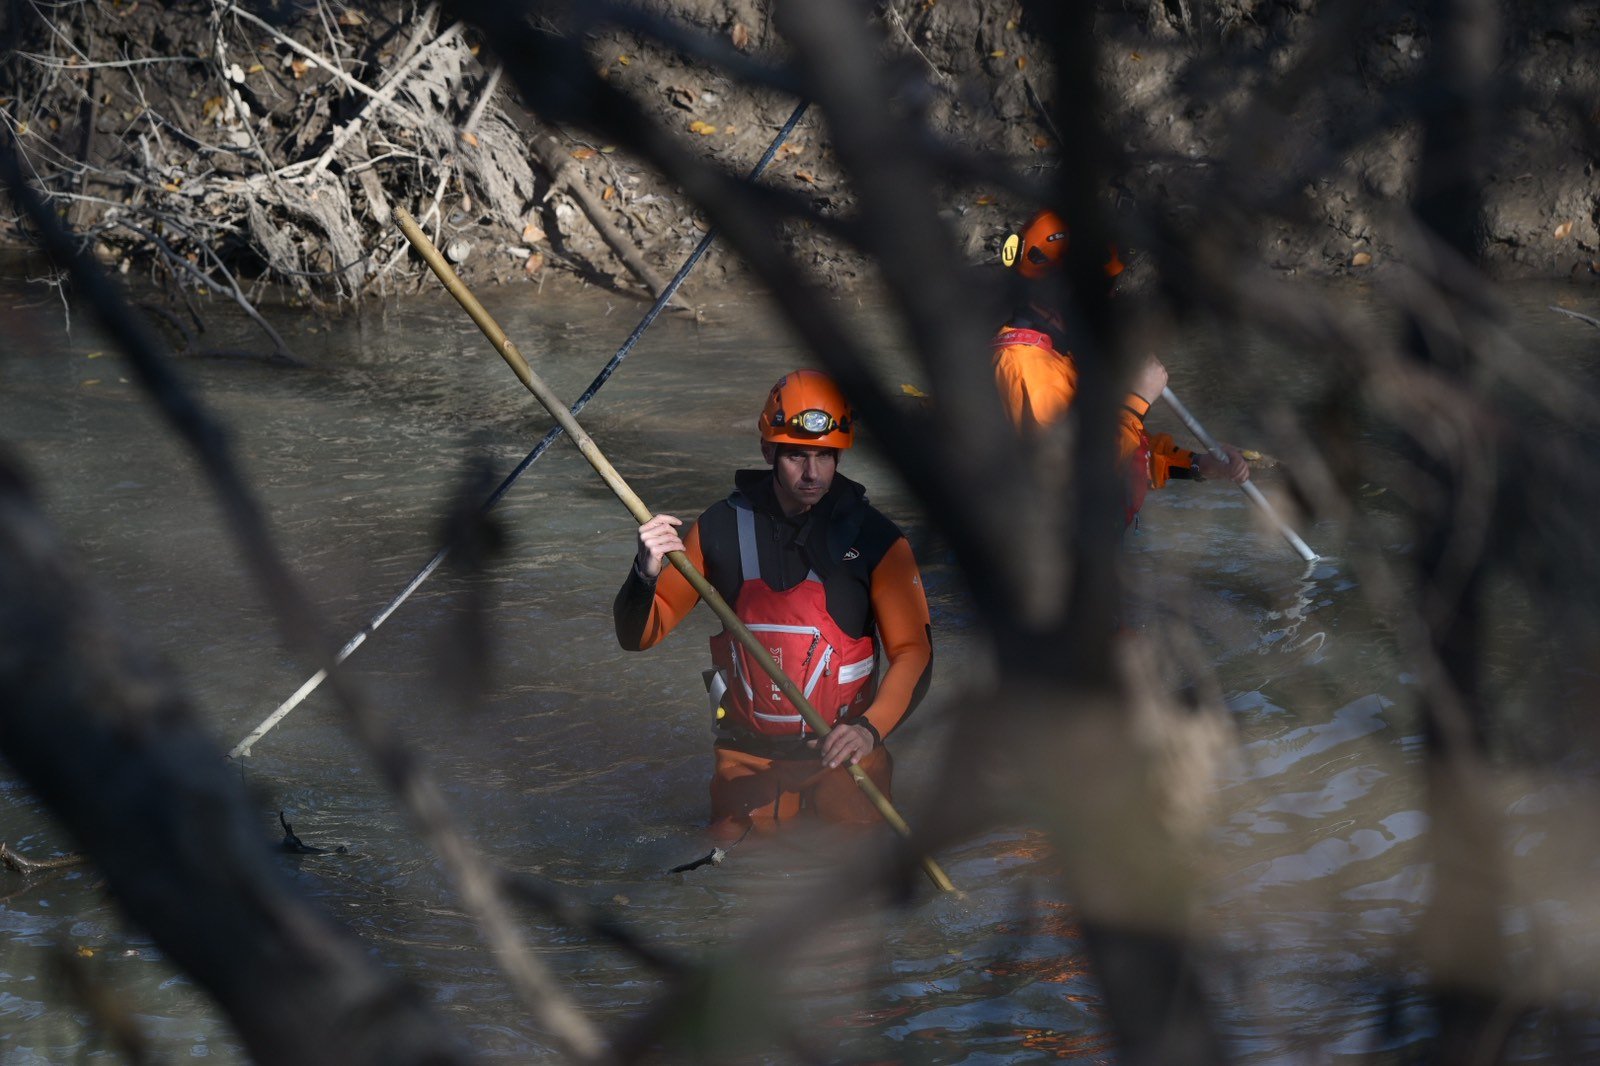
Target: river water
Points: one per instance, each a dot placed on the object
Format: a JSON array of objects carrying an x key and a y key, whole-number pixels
[{"x": 569, "y": 759}]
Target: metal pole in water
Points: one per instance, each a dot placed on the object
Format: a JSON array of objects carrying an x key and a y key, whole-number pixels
[{"x": 1211, "y": 445}]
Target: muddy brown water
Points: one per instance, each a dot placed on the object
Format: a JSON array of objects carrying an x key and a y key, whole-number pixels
[{"x": 587, "y": 766}]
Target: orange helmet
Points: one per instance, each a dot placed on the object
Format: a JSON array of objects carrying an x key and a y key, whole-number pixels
[
  {"x": 1040, "y": 247},
  {"x": 805, "y": 407}
]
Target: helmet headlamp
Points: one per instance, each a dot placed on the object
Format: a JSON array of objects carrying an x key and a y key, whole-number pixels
[
  {"x": 821, "y": 416},
  {"x": 813, "y": 421}
]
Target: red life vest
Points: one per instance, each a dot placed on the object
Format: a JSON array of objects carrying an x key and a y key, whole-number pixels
[
  {"x": 832, "y": 669},
  {"x": 1018, "y": 335}
]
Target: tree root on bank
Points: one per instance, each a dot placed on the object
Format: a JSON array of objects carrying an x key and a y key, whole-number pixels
[{"x": 277, "y": 150}]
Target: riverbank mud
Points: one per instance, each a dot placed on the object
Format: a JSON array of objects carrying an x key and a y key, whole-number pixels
[{"x": 219, "y": 146}]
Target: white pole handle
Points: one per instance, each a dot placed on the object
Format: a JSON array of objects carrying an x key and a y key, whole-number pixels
[{"x": 1249, "y": 489}]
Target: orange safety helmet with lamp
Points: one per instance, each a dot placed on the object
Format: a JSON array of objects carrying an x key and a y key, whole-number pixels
[
  {"x": 806, "y": 407},
  {"x": 1042, "y": 245}
]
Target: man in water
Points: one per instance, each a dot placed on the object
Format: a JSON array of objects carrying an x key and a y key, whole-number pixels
[
  {"x": 1037, "y": 376},
  {"x": 825, "y": 582}
]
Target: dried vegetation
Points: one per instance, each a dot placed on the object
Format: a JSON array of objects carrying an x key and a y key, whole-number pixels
[{"x": 222, "y": 150}]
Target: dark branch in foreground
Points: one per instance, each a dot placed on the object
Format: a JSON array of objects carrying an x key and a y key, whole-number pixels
[{"x": 101, "y": 732}]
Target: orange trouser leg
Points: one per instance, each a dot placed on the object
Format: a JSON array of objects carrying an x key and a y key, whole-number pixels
[
  {"x": 748, "y": 790},
  {"x": 836, "y": 797}
]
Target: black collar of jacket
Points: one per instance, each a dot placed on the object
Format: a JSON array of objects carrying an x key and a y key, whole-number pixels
[{"x": 841, "y": 512}]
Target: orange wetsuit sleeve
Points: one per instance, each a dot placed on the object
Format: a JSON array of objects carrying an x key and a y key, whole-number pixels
[
  {"x": 670, "y": 600},
  {"x": 1036, "y": 386},
  {"x": 1165, "y": 456},
  {"x": 904, "y": 625},
  {"x": 1166, "y": 459}
]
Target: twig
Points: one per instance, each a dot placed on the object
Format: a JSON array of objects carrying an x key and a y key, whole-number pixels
[
  {"x": 23, "y": 865},
  {"x": 57, "y": 282},
  {"x": 220, "y": 50},
  {"x": 1595, "y": 322},
  {"x": 232, "y": 289},
  {"x": 899, "y": 23},
  {"x": 336, "y": 42},
  {"x": 565, "y": 177},
  {"x": 485, "y": 95},
  {"x": 86, "y": 146},
  {"x": 66, "y": 40},
  {"x": 345, "y": 79},
  {"x": 448, "y": 171},
  {"x": 1044, "y": 113},
  {"x": 342, "y": 136},
  {"x": 102, "y": 64}
]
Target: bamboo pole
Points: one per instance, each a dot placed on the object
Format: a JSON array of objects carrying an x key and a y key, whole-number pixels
[
  {"x": 642, "y": 514},
  {"x": 244, "y": 746}
]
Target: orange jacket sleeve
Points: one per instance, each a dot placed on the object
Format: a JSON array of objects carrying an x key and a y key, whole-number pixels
[
  {"x": 904, "y": 624},
  {"x": 673, "y": 598},
  {"x": 1165, "y": 456}
]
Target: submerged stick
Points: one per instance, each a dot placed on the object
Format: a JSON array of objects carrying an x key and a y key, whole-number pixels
[
  {"x": 642, "y": 514},
  {"x": 241, "y": 749},
  {"x": 1245, "y": 486},
  {"x": 1595, "y": 322},
  {"x": 23, "y": 865}
]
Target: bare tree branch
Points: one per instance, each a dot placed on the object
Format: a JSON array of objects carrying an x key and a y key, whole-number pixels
[{"x": 103, "y": 735}]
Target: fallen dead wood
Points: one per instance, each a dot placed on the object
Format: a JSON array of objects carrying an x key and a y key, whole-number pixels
[
  {"x": 1595, "y": 322},
  {"x": 566, "y": 178},
  {"x": 271, "y": 149},
  {"x": 15, "y": 860}
]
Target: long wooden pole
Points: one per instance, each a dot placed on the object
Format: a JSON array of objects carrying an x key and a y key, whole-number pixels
[
  {"x": 642, "y": 514},
  {"x": 1245, "y": 486},
  {"x": 242, "y": 749}
]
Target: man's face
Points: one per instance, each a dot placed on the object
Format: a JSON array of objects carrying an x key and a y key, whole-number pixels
[{"x": 802, "y": 474}]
